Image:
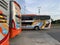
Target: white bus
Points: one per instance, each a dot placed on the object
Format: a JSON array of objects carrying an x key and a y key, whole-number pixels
[{"x": 36, "y": 22}]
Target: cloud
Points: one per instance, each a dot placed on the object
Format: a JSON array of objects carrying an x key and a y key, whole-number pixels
[
  {"x": 31, "y": 10},
  {"x": 50, "y": 7}
]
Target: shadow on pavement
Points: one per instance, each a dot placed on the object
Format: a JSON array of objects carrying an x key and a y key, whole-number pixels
[{"x": 55, "y": 35}]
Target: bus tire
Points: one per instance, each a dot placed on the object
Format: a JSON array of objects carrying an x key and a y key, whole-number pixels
[{"x": 36, "y": 28}]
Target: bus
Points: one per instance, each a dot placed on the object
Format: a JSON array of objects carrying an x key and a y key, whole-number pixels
[
  {"x": 36, "y": 22},
  {"x": 10, "y": 20},
  {"x": 4, "y": 22},
  {"x": 15, "y": 21}
]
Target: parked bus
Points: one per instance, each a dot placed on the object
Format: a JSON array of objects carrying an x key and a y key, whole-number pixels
[
  {"x": 10, "y": 20},
  {"x": 4, "y": 22},
  {"x": 36, "y": 22},
  {"x": 15, "y": 21}
]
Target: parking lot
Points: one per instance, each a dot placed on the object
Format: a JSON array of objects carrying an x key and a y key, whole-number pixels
[{"x": 39, "y": 37}]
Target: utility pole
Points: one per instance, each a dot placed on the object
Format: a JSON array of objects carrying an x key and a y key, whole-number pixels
[{"x": 39, "y": 10}]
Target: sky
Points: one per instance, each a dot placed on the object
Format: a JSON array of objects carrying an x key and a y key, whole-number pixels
[{"x": 47, "y": 7}]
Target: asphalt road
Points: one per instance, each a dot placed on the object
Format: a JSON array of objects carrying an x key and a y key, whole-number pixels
[{"x": 40, "y": 37}]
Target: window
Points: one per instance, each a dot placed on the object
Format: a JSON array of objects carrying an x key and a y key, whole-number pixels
[
  {"x": 18, "y": 23},
  {"x": 42, "y": 17},
  {"x": 4, "y": 5},
  {"x": 27, "y": 18}
]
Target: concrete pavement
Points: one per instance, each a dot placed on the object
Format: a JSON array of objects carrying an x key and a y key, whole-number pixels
[{"x": 34, "y": 38}]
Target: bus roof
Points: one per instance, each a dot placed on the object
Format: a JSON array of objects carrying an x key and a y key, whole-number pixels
[
  {"x": 34, "y": 15},
  {"x": 28, "y": 14}
]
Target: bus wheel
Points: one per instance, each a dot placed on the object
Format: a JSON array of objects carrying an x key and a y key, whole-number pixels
[{"x": 36, "y": 28}]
